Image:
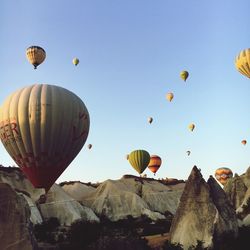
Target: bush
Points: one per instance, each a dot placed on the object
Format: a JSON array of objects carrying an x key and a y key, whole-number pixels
[
  {"x": 119, "y": 243},
  {"x": 43, "y": 231},
  {"x": 82, "y": 233}
]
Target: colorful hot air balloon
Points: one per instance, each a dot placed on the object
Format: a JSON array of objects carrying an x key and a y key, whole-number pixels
[
  {"x": 242, "y": 62},
  {"x": 150, "y": 119},
  {"x": 139, "y": 160},
  {"x": 155, "y": 163},
  {"x": 184, "y": 75},
  {"x": 244, "y": 142},
  {"x": 170, "y": 96},
  {"x": 191, "y": 126},
  {"x": 43, "y": 127},
  {"x": 89, "y": 146},
  {"x": 188, "y": 152},
  {"x": 223, "y": 174},
  {"x": 35, "y": 55},
  {"x": 75, "y": 61}
]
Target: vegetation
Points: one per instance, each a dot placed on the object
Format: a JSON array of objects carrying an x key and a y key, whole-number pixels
[
  {"x": 44, "y": 231},
  {"x": 82, "y": 233}
]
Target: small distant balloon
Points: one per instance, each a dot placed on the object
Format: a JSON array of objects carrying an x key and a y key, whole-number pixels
[
  {"x": 170, "y": 96},
  {"x": 155, "y": 163},
  {"x": 223, "y": 174},
  {"x": 127, "y": 156},
  {"x": 89, "y": 146},
  {"x": 191, "y": 127},
  {"x": 150, "y": 120},
  {"x": 184, "y": 75},
  {"x": 35, "y": 55},
  {"x": 188, "y": 152},
  {"x": 242, "y": 62},
  {"x": 244, "y": 142},
  {"x": 75, "y": 61}
]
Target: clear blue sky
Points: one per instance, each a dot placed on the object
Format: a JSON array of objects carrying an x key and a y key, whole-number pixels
[{"x": 131, "y": 54}]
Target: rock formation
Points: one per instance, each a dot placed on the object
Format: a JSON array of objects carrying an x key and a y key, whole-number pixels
[
  {"x": 15, "y": 227},
  {"x": 238, "y": 192},
  {"x": 62, "y": 206},
  {"x": 58, "y": 204},
  {"x": 131, "y": 195},
  {"x": 204, "y": 214}
]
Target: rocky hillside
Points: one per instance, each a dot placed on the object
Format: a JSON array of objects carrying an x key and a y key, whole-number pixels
[
  {"x": 238, "y": 192},
  {"x": 131, "y": 195},
  {"x": 113, "y": 199},
  {"x": 204, "y": 215}
]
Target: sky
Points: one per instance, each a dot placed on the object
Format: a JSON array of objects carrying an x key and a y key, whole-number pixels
[{"x": 131, "y": 54}]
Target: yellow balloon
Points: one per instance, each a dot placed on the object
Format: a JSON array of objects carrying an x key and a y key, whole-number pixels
[
  {"x": 43, "y": 127},
  {"x": 242, "y": 62},
  {"x": 191, "y": 126},
  {"x": 35, "y": 55},
  {"x": 184, "y": 75},
  {"x": 75, "y": 61},
  {"x": 170, "y": 96}
]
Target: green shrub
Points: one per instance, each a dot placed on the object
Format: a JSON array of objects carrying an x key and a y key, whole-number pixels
[
  {"x": 82, "y": 233},
  {"x": 43, "y": 231}
]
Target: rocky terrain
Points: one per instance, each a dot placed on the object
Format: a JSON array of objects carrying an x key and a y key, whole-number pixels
[
  {"x": 200, "y": 198},
  {"x": 133, "y": 212}
]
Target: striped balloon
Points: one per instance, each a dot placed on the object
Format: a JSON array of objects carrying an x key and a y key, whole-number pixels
[
  {"x": 155, "y": 163},
  {"x": 139, "y": 160},
  {"x": 223, "y": 174},
  {"x": 242, "y": 62},
  {"x": 35, "y": 55},
  {"x": 43, "y": 127}
]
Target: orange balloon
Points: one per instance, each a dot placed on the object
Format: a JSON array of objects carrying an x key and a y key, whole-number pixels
[
  {"x": 223, "y": 174},
  {"x": 155, "y": 163},
  {"x": 244, "y": 142}
]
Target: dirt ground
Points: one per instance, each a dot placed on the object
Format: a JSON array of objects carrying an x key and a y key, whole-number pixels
[{"x": 157, "y": 241}]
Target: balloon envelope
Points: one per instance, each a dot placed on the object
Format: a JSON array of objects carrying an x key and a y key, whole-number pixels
[
  {"x": 188, "y": 152},
  {"x": 191, "y": 126},
  {"x": 35, "y": 55},
  {"x": 242, "y": 62},
  {"x": 155, "y": 163},
  {"x": 139, "y": 160},
  {"x": 244, "y": 142},
  {"x": 89, "y": 146},
  {"x": 223, "y": 174},
  {"x": 43, "y": 127},
  {"x": 184, "y": 75},
  {"x": 150, "y": 119},
  {"x": 170, "y": 96},
  {"x": 75, "y": 61}
]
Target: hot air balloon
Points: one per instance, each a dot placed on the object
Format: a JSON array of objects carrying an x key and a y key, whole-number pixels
[
  {"x": 35, "y": 55},
  {"x": 170, "y": 96},
  {"x": 155, "y": 163},
  {"x": 43, "y": 127},
  {"x": 244, "y": 142},
  {"x": 75, "y": 61},
  {"x": 191, "y": 126},
  {"x": 242, "y": 62},
  {"x": 89, "y": 146},
  {"x": 184, "y": 75},
  {"x": 127, "y": 156},
  {"x": 188, "y": 152},
  {"x": 223, "y": 174},
  {"x": 139, "y": 160},
  {"x": 150, "y": 119}
]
